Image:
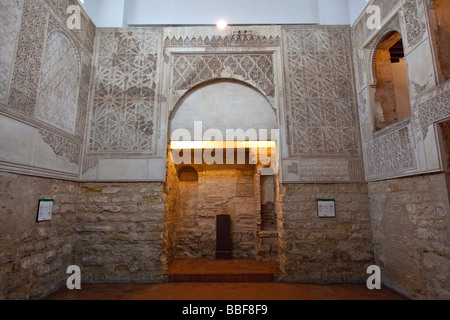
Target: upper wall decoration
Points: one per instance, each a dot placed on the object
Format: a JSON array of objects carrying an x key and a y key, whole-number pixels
[
  {"x": 321, "y": 108},
  {"x": 10, "y": 11},
  {"x": 360, "y": 30},
  {"x": 192, "y": 69},
  {"x": 44, "y": 83},
  {"x": 239, "y": 38},
  {"x": 433, "y": 106},
  {"x": 57, "y": 99},
  {"x": 399, "y": 148},
  {"x": 85, "y": 37},
  {"x": 391, "y": 152},
  {"x": 415, "y": 21},
  {"x": 45, "y": 71},
  {"x": 124, "y": 105}
]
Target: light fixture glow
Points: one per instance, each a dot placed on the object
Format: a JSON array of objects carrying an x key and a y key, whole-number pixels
[{"x": 222, "y": 24}]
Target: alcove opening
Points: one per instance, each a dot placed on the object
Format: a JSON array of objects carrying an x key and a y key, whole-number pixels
[
  {"x": 218, "y": 174},
  {"x": 268, "y": 214},
  {"x": 392, "y": 89}
]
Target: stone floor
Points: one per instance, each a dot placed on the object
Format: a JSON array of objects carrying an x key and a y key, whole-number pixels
[{"x": 223, "y": 291}]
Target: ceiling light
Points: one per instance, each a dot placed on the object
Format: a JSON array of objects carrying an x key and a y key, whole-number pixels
[{"x": 222, "y": 24}]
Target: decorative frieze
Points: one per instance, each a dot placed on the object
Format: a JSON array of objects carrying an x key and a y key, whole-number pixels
[{"x": 237, "y": 39}]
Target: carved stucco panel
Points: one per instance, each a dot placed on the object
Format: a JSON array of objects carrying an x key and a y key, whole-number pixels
[
  {"x": 321, "y": 111},
  {"x": 57, "y": 99},
  {"x": 125, "y": 98},
  {"x": 24, "y": 84},
  {"x": 360, "y": 30},
  {"x": 62, "y": 146},
  {"x": 431, "y": 107},
  {"x": 391, "y": 154},
  {"x": 255, "y": 68},
  {"x": 415, "y": 21},
  {"x": 10, "y": 12}
]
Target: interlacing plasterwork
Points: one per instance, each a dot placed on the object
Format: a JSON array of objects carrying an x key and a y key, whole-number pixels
[
  {"x": 25, "y": 79},
  {"x": 10, "y": 11},
  {"x": 85, "y": 36},
  {"x": 415, "y": 21},
  {"x": 361, "y": 31},
  {"x": 42, "y": 64},
  {"x": 255, "y": 68},
  {"x": 431, "y": 107},
  {"x": 321, "y": 112},
  {"x": 57, "y": 99},
  {"x": 391, "y": 154},
  {"x": 88, "y": 164},
  {"x": 62, "y": 147},
  {"x": 126, "y": 81}
]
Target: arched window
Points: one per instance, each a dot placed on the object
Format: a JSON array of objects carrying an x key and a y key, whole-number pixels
[{"x": 392, "y": 91}]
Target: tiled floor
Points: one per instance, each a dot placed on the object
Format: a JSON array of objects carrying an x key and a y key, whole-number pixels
[{"x": 223, "y": 291}]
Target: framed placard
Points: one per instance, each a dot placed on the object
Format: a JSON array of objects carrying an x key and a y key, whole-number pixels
[
  {"x": 45, "y": 210},
  {"x": 326, "y": 208}
]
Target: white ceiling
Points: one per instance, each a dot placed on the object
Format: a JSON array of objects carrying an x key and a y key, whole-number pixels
[{"x": 118, "y": 13}]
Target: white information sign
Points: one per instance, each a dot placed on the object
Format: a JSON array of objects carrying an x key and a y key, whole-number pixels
[
  {"x": 326, "y": 208},
  {"x": 45, "y": 210}
]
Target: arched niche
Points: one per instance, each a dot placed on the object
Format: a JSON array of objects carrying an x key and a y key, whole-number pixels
[
  {"x": 222, "y": 105},
  {"x": 57, "y": 99},
  {"x": 390, "y": 81},
  {"x": 187, "y": 174}
]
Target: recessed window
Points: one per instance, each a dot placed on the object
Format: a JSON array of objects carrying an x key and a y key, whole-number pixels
[
  {"x": 268, "y": 215},
  {"x": 392, "y": 102}
]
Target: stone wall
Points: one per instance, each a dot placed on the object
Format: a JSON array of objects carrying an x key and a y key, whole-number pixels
[
  {"x": 112, "y": 232},
  {"x": 34, "y": 256},
  {"x": 410, "y": 220},
  {"x": 119, "y": 232},
  {"x": 317, "y": 250}
]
